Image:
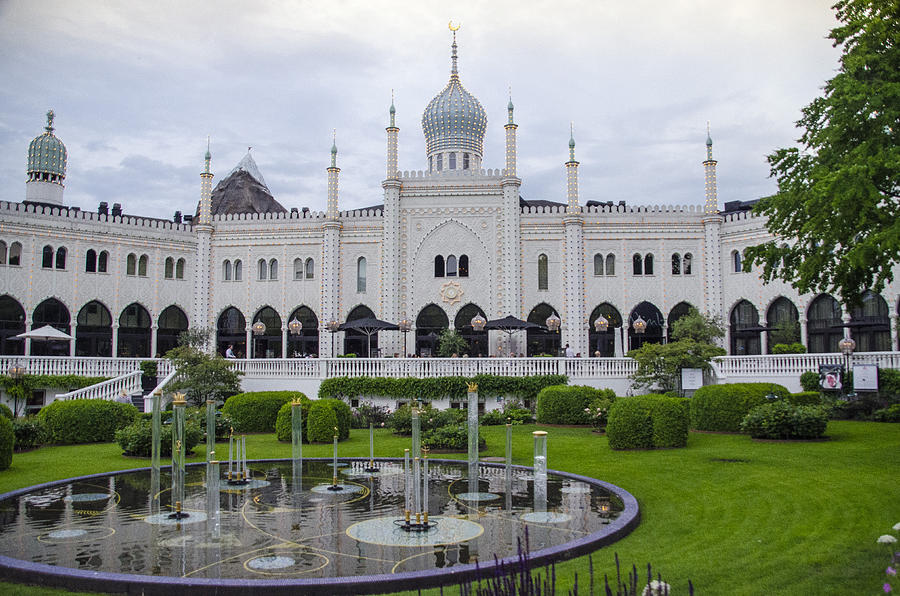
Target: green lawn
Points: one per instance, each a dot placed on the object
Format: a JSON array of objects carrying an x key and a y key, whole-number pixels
[{"x": 785, "y": 518}]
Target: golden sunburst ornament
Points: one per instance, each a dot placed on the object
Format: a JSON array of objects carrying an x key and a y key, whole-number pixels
[{"x": 451, "y": 292}]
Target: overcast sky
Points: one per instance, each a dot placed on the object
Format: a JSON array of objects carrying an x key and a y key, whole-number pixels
[{"x": 138, "y": 87}]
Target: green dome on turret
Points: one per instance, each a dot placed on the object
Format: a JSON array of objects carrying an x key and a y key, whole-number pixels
[{"x": 47, "y": 155}]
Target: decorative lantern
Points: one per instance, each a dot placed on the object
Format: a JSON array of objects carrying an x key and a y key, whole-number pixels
[
  {"x": 478, "y": 323},
  {"x": 639, "y": 325},
  {"x": 553, "y": 322},
  {"x": 601, "y": 324},
  {"x": 847, "y": 345},
  {"x": 295, "y": 326},
  {"x": 258, "y": 328},
  {"x": 405, "y": 325},
  {"x": 333, "y": 326}
]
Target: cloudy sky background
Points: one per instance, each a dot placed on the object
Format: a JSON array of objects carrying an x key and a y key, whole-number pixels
[{"x": 137, "y": 87}]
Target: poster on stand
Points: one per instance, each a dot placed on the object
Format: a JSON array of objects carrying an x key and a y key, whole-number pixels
[{"x": 865, "y": 377}]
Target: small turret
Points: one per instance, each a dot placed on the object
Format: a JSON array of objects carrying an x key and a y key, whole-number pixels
[{"x": 47, "y": 158}]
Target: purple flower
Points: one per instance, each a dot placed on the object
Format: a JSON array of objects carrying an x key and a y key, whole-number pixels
[
  {"x": 888, "y": 588},
  {"x": 890, "y": 571}
]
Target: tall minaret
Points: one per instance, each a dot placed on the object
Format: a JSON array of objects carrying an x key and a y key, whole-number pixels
[
  {"x": 204, "y": 229},
  {"x": 574, "y": 324},
  {"x": 509, "y": 298},
  {"x": 510, "y": 141},
  {"x": 709, "y": 167},
  {"x": 712, "y": 227},
  {"x": 330, "y": 291},
  {"x": 391, "y": 307}
]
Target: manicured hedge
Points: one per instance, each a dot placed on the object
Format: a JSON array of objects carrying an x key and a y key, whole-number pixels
[
  {"x": 7, "y": 442},
  {"x": 322, "y": 420},
  {"x": 344, "y": 416},
  {"x": 723, "y": 407},
  {"x": 137, "y": 439},
  {"x": 430, "y": 389},
  {"x": 809, "y": 381},
  {"x": 563, "y": 404},
  {"x": 451, "y": 437},
  {"x": 30, "y": 432},
  {"x": 429, "y": 418},
  {"x": 783, "y": 420},
  {"x": 284, "y": 422},
  {"x": 805, "y": 398},
  {"x": 6, "y": 412},
  {"x": 648, "y": 421},
  {"x": 86, "y": 420},
  {"x": 256, "y": 412}
]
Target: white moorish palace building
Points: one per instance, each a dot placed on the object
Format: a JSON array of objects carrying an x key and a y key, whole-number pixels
[{"x": 445, "y": 244}]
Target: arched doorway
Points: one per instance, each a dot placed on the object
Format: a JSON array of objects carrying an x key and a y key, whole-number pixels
[
  {"x": 604, "y": 342},
  {"x": 679, "y": 310},
  {"x": 307, "y": 343},
  {"x": 655, "y": 323},
  {"x": 783, "y": 323},
  {"x": 355, "y": 341},
  {"x": 231, "y": 330},
  {"x": 12, "y": 323},
  {"x": 268, "y": 343},
  {"x": 172, "y": 321},
  {"x": 824, "y": 326},
  {"x": 93, "y": 331},
  {"x": 745, "y": 329},
  {"x": 477, "y": 340},
  {"x": 54, "y": 313},
  {"x": 871, "y": 324},
  {"x": 432, "y": 320},
  {"x": 134, "y": 332},
  {"x": 540, "y": 340}
]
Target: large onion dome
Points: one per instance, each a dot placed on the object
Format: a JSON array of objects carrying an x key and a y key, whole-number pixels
[
  {"x": 454, "y": 124},
  {"x": 47, "y": 156}
]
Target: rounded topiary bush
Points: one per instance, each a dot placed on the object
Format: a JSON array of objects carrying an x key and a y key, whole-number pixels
[
  {"x": 256, "y": 412},
  {"x": 783, "y": 420},
  {"x": 810, "y": 381},
  {"x": 648, "y": 421},
  {"x": 344, "y": 416},
  {"x": 30, "y": 432},
  {"x": 137, "y": 439},
  {"x": 723, "y": 407},
  {"x": 7, "y": 442},
  {"x": 450, "y": 438},
  {"x": 86, "y": 420},
  {"x": 284, "y": 423},
  {"x": 566, "y": 404},
  {"x": 321, "y": 422}
]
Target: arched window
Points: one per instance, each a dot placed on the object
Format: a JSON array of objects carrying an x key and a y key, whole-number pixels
[
  {"x": 102, "y": 261},
  {"x": 361, "y": 275},
  {"x": 15, "y": 254},
  {"x": 465, "y": 161},
  {"x": 61, "y": 257},
  {"x": 451, "y": 266},
  {"x": 226, "y": 270},
  {"x": 172, "y": 321},
  {"x": 538, "y": 340},
  {"x": 263, "y": 270},
  {"x": 783, "y": 322},
  {"x": 179, "y": 269},
  {"x": 131, "y": 264},
  {"x": 736, "y": 261},
  {"x": 679, "y": 310},
  {"x": 231, "y": 330},
  {"x": 543, "y": 273},
  {"x": 134, "y": 332},
  {"x": 648, "y": 264},
  {"x": 477, "y": 340},
  {"x": 686, "y": 263},
  {"x": 47, "y": 257},
  {"x": 142, "y": 265},
  {"x": 824, "y": 325},
  {"x": 463, "y": 267},
  {"x": 51, "y": 312},
  {"x": 170, "y": 268},
  {"x": 872, "y": 324},
  {"x": 2, "y": 252},
  {"x": 298, "y": 268},
  {"x": 598, "y": 264},
  {"x": 273, "y": 269},
  {"x": 307, "y": 342},
  {"x": 604, "y": 341},
  {"x": 452, "y": 161},
  {"x": 430, "y": 323},
  {"x": 310, "y": 268},
  {"x": 12, "y": 323},
  {"x": 653, "y": 332},
  {"x": 238, "y": 270},
  {"x": 610, "y": 264},
  {"x": 439, "y": 266},
  {"x": 637, "y": 265},
  {"x": 440, "y": 162},
  {"x": 267, "y": 344},
  {"x": 93, "y": 332},
  {"x": 90, "y": 261},
  {"x": 745, "y": 330},
  {"x": 676, "y": 264}
]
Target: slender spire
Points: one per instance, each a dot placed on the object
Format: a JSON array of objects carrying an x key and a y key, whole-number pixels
[
  {"x": 207, "y": 157},
  {"x": 453, "y": 70},
  {"x": 49, "y": 127},
  {"x": 334, "y": 148},
  {"x": 509, "y": 106},
  {"x": 708, "y": 143},
  {"x": 571, "y": 141},
  {"x": 393, "y": 110}
]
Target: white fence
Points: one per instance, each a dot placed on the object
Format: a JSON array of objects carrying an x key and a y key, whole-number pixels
[
  {"x": 84, "y": 366},
  {"x": 110, "y": 389}
]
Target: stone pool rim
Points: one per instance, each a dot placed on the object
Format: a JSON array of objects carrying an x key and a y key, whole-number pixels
[{"x": 42, "y": 574}]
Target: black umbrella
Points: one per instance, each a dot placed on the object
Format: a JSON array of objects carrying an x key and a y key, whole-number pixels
[
  {"x": 510, "y": 325},
  {"x": 368, "y": 326}
]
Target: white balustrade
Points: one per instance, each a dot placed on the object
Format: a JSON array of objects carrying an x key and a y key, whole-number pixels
[
  {"x": 85, "y": 366},
  {"x": 109, "y": 389}
]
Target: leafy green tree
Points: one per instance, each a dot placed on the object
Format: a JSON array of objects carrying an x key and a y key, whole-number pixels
[
  {"x": 659, "y": 365},
  {"x": 702, "y": 328},
  {"x": 836, "y": 210},
  {"x": 201, "y": 376},
  {"x": 450, "y": 342}
]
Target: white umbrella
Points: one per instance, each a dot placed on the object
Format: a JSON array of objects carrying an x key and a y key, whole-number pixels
[{"x": 45, "y": 332}]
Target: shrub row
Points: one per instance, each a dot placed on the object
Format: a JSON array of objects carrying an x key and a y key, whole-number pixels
[
  {"x": 511, "y": 412},
  {"x": 784, "y": 420},
  {"x": 648, "y": 421},
  {"x": 452, "y": 437},
  {"x": 723, "y": 407},
  {"x": 563, "y": 404},
  {"x": 86, "y": 420},
  {"x": 30, "y": 432},
  {"x": 257, "y": 412},
  {"x": 137, "y": 439},
  {"x": 429, "y": 418},
  {"x": 7, "y": 441},
  {"x": 430, "y": 389},
  {"x": 319, "y": 418}
]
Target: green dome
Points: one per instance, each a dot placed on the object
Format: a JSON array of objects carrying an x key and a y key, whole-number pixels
[{"x": 46, "y": 153}]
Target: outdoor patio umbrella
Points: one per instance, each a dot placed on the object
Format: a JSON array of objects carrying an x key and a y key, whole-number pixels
[
  {"x": 45, "y": 332},
  {"x": 368, "y": 326},
  {"x": 509, "y": 325}
]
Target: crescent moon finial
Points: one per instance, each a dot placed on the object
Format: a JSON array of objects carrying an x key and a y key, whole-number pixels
[{"x": 450, "y": 25}]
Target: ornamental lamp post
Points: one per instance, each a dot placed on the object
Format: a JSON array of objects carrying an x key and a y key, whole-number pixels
[
  {"x": 295, "y": 328},
  {"x": 405, "y": 326},
  {"x": 846, "y": 345},
  {"x": 553, "y": 322},
  {"x": 17, "y": 374},
  {"x": 639, "y": 325},
  {"x": 258, "y": 329},
  {"x": 332, "y": 327}
]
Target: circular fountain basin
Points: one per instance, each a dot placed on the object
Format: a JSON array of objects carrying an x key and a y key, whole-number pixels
[{"x": 113, "y": 532}]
